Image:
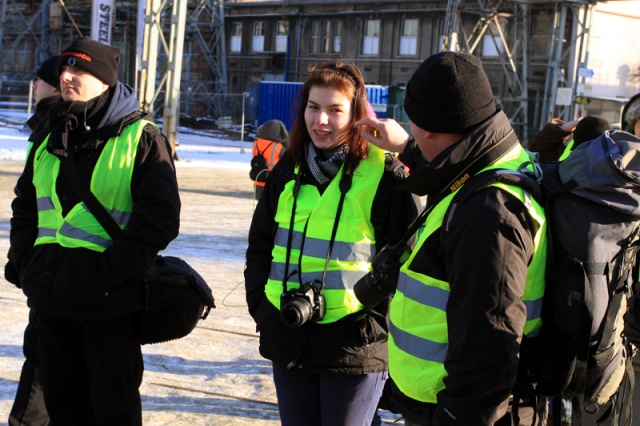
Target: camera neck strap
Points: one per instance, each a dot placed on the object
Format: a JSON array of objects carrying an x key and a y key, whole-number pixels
[{"x": 345, "y": 185}]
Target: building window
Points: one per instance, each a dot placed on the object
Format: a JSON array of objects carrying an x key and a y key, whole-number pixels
[
  {"x": 314, "y": 42},
  {"x": 492, "y": 45},
  {"x": 371, "y": 40},
  {"x": 325, "y": 42},
  {"x": 282, "y": 32},
  {"x": 408, "y": 37},
  {"x": 257, "y": 42},
  {"x": 236, "y": 37},
  {"x": 337, "y": 30}
]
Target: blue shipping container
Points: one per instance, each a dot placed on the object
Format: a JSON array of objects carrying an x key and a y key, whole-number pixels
[{"x": 276, "y": 98}]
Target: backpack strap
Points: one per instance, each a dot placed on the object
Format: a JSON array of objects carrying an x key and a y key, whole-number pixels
[
  {"x": 265, "y": 148},
  {"x": 622, "y": 266}
]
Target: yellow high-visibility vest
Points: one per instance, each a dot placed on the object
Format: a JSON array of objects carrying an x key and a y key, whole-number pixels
[
  {"x": 418, "y": 330},
  {"x": 110, "y": 183},
  {"x": 354, "y": 245}
]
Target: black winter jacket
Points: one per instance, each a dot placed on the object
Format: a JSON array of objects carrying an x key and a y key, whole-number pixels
[
  {"x": 39, "y": 130},
  {"x": 489, "y": 246},
  {"x": 356, "y": 344},
  {"x": 79, "y": 283}
]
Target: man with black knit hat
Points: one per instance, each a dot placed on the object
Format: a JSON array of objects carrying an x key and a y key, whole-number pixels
[
  {"x": 468, "y": 292},
  {"x": 28, "y": 406},
  {"x": 82, "y": 285},
  {"x": 47, "y": 82}
]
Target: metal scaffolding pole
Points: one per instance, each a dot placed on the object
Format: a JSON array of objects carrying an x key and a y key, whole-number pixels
[
  {"x": 492, "y": 19},
  {"x": 161, "y": 67},
  {"x": 174, "y": 73}
]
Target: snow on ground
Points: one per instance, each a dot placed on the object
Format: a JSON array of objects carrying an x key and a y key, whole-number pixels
[{"x": 215, "y": 376}]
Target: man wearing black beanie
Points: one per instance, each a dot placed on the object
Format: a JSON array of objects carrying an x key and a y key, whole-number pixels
[
  {"x": 462, "y": 304},
  {"x": 83, "y": 285},
  {"x": 28, "y": 406},
  {"x": 46, "y": 93}
]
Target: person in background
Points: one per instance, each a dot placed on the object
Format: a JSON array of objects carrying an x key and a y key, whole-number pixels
[
  {"x": 83, "y": 286},
  {"x": 556, "y": 141},
  {"x": 272, "y": 141},
  {"x": 550, "y": 142},
  {"x": 28, "y": 406},
  {"x": 46, "y": 93},
  {"x": 328, "y": 207},
  {"x": 630, "y": 120},
  {"x": 46, "y": 90},
  {"x": 463, "y": 305}
]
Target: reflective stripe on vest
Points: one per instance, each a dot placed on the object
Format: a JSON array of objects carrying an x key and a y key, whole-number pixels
[
  {"x": 79, "y": 228},
  {"x": 354, "y": 245},
  {"x": 418, "y": 331}
]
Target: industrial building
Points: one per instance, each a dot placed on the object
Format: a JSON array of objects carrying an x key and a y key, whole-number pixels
[{"x": 212, "y": 54}]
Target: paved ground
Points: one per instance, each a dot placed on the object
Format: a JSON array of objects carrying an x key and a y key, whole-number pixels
[{"x": 215, "y": 376}]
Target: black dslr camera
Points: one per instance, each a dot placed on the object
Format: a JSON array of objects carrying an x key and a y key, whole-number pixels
[
  {"x": 302, "y": 304},
  {"x": 382, "y": 280}
]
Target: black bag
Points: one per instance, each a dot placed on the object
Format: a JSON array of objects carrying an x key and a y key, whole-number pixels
[
  {"x": 175, "y": 298},
  {"x": 259, "y": 170},
  {"x": 174, "y": 295},
  {"x": 592, "y": 206}
]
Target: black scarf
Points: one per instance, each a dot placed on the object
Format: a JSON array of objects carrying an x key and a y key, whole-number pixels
[
  {"x": 73, "y": 121},
  {"x": 323, "y": 170},
  {"x": 42, "y": 110}
]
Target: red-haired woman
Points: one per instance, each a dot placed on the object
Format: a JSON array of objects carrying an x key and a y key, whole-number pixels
[{"x": 328, "y": 207}]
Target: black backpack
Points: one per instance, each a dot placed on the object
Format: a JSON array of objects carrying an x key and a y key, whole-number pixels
[
  {"x": 592, "y": 205},
  {"x": 259, "y": 170}
]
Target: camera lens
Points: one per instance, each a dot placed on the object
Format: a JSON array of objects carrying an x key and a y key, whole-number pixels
[
  {"x": 370, "y": 291},
  {"x": 296, "y": 312}
]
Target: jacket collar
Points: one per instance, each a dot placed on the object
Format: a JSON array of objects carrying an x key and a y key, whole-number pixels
[{"x": 450, "y": 163}]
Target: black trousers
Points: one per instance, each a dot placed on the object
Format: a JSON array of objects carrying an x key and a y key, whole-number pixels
[
  {"x": 91, "y": 371},
  {"x": 320, "y": 399},
  {"x": 28, "y": 406}
]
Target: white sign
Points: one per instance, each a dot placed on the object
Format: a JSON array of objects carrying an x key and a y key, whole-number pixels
[
  {"x": 563, "y": 96},
  {"x": 584, "y": 88},
  {"x": 102, "y": 14}
]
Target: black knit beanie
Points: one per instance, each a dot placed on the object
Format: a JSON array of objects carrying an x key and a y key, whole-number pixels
[
  {"x": 449, "y": 93},
  {"x": 48, "y": 72},
  {"x": 589, "y": 128},
  {"x": 96, "y": 58}
]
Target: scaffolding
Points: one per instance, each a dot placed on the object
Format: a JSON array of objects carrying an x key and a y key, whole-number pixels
[
  {"x": 191, "y": 30},
  {"x": 508, "y": 25}
]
